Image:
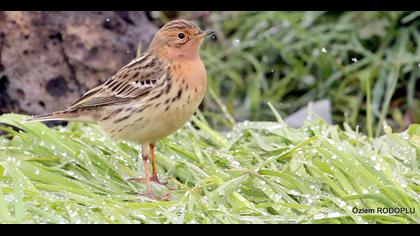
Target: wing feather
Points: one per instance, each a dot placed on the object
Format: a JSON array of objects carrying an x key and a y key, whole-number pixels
[{"x": 133, "y": 81}]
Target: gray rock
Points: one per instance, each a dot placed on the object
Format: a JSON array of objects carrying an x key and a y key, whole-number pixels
[
  {"x": 49, "y": 59},
  {"x": 316, "y": 109}
]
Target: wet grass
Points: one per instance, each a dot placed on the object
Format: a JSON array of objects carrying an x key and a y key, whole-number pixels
[
  {"x": 291, "y": 58},
  {"x": 259, "y": 172}
]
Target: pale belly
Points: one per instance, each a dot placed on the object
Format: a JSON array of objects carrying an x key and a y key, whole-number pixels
[
  {"x": 160, "y": 125},
  {"x": 156, "y": 123}
]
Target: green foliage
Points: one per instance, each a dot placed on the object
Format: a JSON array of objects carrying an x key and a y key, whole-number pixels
[
  {"x": 260, "y": 172},
  {"x": 291, "y": 58}
]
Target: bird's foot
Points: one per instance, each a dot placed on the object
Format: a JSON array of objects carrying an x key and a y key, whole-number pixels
[
  {"x": 150, "y": 195},
  {"x": 153, "y": 179}
]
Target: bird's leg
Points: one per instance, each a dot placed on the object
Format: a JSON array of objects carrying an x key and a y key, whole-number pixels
[
  {"x": 146, "y": 179},
  {"x": 145, "y": 156},
  {"x": 154, "y": 177}
]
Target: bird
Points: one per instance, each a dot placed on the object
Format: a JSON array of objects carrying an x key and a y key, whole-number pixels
[{"x": 149, "y": 98}]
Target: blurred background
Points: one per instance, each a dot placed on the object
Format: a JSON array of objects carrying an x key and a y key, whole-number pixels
[{"x": 361, "y": 68}]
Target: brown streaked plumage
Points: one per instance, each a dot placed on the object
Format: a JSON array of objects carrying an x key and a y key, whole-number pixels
[{"x": 152, "y": 96}]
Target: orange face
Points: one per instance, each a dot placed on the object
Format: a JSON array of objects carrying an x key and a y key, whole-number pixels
[{"x": 179, "y": 38}]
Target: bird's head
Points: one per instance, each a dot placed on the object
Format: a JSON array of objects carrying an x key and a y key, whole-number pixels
[{"x": 179, "y": 39}]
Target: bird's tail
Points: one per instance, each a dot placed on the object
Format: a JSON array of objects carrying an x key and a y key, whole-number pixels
[{"x": 56, "y": 116}]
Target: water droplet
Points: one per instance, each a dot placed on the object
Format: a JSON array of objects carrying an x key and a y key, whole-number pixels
[
  {"x": 324, "y": 50},
  {"x": 342, "y": 203},
  {"x": 319, "y": 216},
  {"x": 334, "y": 214},
  {"x": 353, "y": 59},
  {"x": 277, "y": 196},
  {"x": 365, "y": 191},
  {"x": 294, "y": 192},
  {"x": 36, "y": 172},
  {"x": 236, "y": 42},
  {"x": 235, "y": 164},
  {"x": 108, "y": 20},
  {"x": 334, "y": 156},
  {"x": 418, "y": 65},
  {"x": 377, "y": 166}
]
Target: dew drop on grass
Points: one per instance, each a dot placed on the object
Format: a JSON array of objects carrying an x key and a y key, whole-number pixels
[
  {"x": 236, "y": 42},
  {"x": 334, "y": 214},
  {"x": 235, "y": 164},
  {"x": 353, "y": 59},
  {"x": 377, "y": 166},
  {"x": 324, "y": 50},
  {"x": 334, "y": 156},
  {"x": 294, "y": 192},
  {"x": 277, "y": 196},
  {"x": 36, "y": 172},
  {"x": 319, "y": 216}
]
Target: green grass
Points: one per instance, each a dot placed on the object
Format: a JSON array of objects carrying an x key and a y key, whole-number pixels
[
  {"x": 259, "y": 172},
  {"x": 292, "y": 58}
]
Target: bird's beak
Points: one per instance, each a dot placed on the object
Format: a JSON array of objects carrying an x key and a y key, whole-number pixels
[{"x": 203, "y": 34}]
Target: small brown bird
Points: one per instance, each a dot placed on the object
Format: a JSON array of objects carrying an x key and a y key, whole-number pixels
[{"x": 152, "y": 96}]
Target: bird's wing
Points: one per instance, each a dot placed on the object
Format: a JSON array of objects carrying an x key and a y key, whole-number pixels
[{"x": 133, "y": 81}]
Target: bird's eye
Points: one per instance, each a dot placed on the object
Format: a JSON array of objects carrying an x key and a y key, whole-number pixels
[{"x": 181, "y": 35}]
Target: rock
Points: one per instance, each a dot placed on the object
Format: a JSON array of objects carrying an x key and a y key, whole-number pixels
[
  {"x": 321, "y": 109},
  {"x": 49, "y": 59}
]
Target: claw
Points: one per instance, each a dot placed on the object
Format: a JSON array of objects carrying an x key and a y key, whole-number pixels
[
  {"x": 153, "y": 179},
  {"x": 153, "y": 196}
]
